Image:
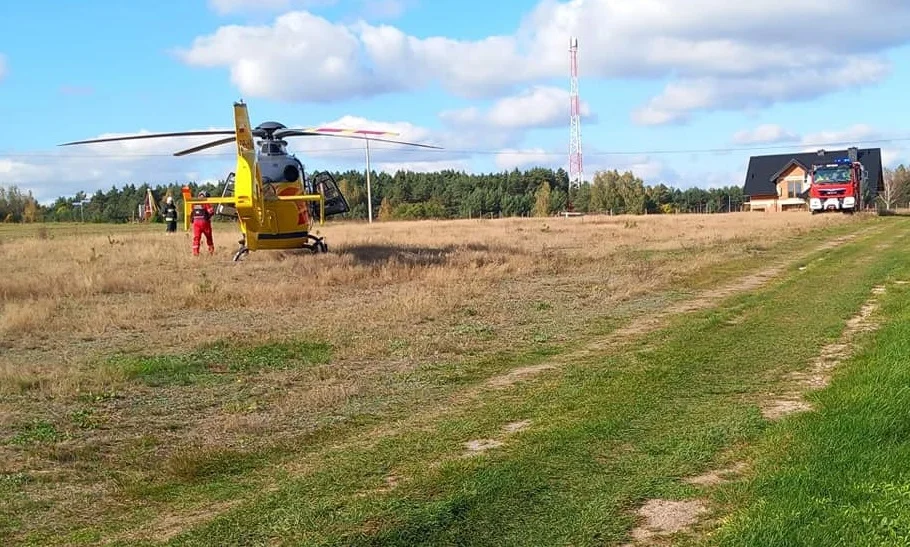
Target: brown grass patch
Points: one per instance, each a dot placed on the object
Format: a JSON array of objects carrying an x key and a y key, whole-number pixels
[
  {"x": 718, "y": 476},
  {"x": 665, "y": 517}
]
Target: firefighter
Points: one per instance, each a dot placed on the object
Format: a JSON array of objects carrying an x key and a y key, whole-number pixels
[
  {"x": 170, "y": 215},
  {"x": 202, "y": 224}
]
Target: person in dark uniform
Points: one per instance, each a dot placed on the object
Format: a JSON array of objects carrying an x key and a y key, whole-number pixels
[
  {"x": 202, "y": 224},
  {"x": 170, "y": 215}
]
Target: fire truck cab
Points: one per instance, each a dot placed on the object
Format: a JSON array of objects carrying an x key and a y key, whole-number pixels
[{"x": 836, "y": 186}]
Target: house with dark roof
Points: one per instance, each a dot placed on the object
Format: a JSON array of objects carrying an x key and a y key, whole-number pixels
[{"x": 780, "y": 182}]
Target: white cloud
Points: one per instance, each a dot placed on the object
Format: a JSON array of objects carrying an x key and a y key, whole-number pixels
[
  {"x": 423, "y": 166},
  {"x": 651, "y": 170},
  {"x": 654, "y": 170},
  {"x": 64, "y": 171},
  {"x": 765, "y": 134},
  {"x": 846, "y": 136},
  {"x": 708, "y": 179},
  {"x": 459, "y": 144},
  {"x": 316, "y": 60},
  {"x": 537, "y": 107},
  {"x": 511, "y": 158},
  {"x": 350, "y": 151},
  {"x": 893, "y": 153},
  {"x": 680, "y": 99},
  {"x": 717, "y": 55},
  {"x": 862, "y": 135},
  {"x": 892, "y": 157}
]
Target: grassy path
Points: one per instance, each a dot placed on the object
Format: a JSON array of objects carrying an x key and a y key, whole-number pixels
[
  {"x": 839, "y": 475},
  {"x": 567, "y": 456}
]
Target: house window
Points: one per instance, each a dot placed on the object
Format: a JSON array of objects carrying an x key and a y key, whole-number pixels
[{"x": 794, "y": 187}]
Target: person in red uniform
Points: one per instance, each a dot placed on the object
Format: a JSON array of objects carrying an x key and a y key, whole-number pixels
[{"x": 202, "y": 224}]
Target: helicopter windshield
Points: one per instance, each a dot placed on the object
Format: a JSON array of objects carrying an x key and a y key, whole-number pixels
[{"x": 273, "y": 149}]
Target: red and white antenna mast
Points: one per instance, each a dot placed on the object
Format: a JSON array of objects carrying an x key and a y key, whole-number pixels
[{"x": 576, "y": 171}]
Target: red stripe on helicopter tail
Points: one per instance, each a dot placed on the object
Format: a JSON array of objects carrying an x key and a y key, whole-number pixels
[{"x": 353, "y": 131}]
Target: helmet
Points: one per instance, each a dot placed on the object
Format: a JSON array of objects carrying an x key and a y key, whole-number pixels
[{"x": 169, "y": 200}]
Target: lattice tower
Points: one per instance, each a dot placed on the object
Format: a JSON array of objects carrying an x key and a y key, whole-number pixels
[{"x": 576, "y": 168}]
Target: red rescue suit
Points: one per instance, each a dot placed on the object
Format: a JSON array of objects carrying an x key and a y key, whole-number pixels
[{"x": 202, "y": 224}]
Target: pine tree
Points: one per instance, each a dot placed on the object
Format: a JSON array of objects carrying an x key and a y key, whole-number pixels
[
  {"x": 542, "y": 200},
  {"x": 385, "y": 210},
  {"x": 30, "y": 213}
]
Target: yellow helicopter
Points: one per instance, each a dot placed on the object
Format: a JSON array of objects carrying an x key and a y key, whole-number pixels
[{"x": 269, "y": 193}]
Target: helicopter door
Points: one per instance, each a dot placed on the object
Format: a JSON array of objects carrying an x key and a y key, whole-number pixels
[
  {"x": 225, "y": 209},
  {"x": 335, "y": 204}
]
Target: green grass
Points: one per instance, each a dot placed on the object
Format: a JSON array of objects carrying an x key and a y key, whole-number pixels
[
  {"x": 37, "y": 431},
  {"x": 607, "y": 433},
  {"x": 217, "y": 360},
  {"x": 839, "y": 475}
]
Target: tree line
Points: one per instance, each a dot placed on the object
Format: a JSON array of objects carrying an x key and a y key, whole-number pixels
[
  {"x": 896, "y": 193},
  {"x": 413, "y": 195}
]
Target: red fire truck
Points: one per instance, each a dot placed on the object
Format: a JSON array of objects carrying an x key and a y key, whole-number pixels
[{"x": 836, "y": 186}]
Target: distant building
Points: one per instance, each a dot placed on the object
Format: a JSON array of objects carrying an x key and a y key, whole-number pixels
[{"x": 777, "y": 183}]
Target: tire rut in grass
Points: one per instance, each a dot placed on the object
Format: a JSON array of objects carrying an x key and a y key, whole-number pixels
[
  {"x": 819, "y": 375},
  {"x": 651, "y": 323},
  {"x": 662, "y": 517},
  {"x": 682, "y": 515},
  {"x": 717, "y": 476}
]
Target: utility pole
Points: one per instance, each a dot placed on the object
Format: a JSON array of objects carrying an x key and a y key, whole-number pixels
[
  {"x": 81, "y": 205},
  {"x": 369, "y": 193}
]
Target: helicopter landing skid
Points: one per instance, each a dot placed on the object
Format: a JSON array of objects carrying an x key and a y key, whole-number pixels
[
  {"x": 243, "y": 250},
  {"x": 317, "y": 245}
]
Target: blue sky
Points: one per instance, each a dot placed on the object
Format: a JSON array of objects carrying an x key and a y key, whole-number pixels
[{"x": 487, "y": 81}]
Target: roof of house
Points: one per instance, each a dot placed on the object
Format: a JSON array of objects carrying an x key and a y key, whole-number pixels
[{"x": 764, "y": 170}]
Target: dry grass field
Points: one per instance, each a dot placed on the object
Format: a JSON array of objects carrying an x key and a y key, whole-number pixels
[
  {"x": 72, "y": 295},
  {"x": 125, "y": 361}
]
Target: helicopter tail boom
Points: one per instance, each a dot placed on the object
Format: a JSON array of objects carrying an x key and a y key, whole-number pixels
[{"x": 247, "y": 183}]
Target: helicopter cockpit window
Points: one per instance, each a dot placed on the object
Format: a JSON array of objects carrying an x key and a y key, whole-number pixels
[{"x": 272, "y": 149}]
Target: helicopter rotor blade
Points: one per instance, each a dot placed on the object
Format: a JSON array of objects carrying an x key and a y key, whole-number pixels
[
  {"x": 359, "y": 135},
  {"x": 211, "y": 144},
  {"x": 339, "y": 131},
  {"x": 151, "y": 136}
]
